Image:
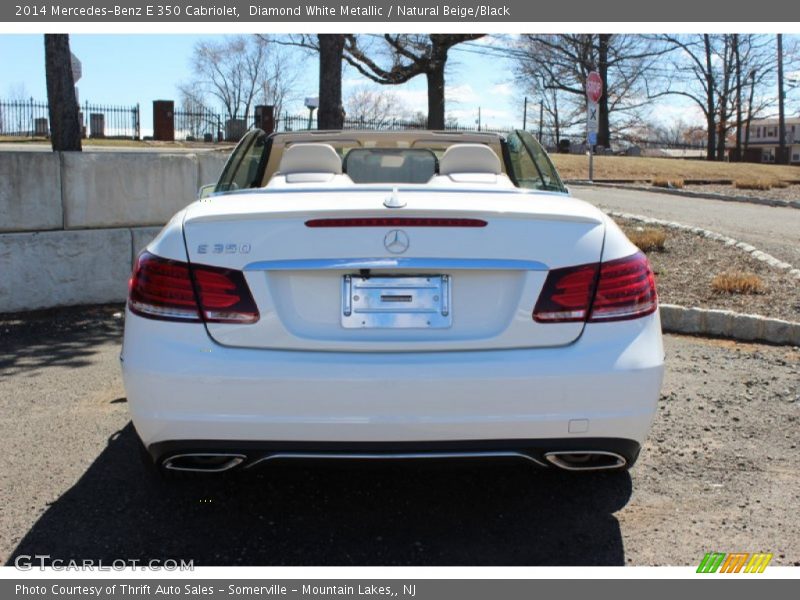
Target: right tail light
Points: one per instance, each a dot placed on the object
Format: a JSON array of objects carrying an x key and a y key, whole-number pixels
[{"x": 616, "y": 290}]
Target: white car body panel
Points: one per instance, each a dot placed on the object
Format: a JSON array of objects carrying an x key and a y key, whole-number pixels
[{"x": 184, "y": 386}]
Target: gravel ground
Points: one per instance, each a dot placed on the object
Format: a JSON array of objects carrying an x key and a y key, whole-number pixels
[
  {"x": 718, "y": 473},
  {"x": 791, "y": 192},
  {"x": 689, "y": 263}
]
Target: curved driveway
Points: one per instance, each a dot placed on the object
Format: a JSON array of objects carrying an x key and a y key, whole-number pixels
[{"x": 775, "y": 230}]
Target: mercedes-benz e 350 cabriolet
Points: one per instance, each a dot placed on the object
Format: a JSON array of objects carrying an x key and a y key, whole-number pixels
[{"x": 391, "y": 295}]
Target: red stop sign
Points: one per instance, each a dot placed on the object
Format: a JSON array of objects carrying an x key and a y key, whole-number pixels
[{"x": 594, "y": 87}]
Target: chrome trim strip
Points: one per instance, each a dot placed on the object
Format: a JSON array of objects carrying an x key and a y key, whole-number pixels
[
  {"x": 445, "y": 295},
  {"x": 347, "y": 296},
  {"x": 393, "y": 456},
  {"x": 471, "y": 264},
  {"x": 235, "y": 460},
  {"x": 555, "y": 459}
]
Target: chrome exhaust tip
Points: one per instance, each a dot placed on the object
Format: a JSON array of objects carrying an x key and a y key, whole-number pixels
[
  {"x": 203, "y": 462},
  {"x": 586, "y": 460}
]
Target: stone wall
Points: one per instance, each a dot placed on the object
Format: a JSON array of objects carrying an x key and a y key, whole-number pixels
[{"x": 71, "y": 223}]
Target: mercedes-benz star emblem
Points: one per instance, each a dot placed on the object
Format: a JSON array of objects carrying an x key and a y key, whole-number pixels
[{"x": 396, "y": 241}]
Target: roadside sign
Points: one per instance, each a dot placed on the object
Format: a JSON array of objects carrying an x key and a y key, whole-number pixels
[
  {"x": 591, "y": 119},
  {"x": 592, "y": 138},
  {"x": 77, "y": 68},
  {"x": 594, "y": 87}
]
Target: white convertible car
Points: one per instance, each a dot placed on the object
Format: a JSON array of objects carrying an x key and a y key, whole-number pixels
[{"x": 392, "y": 295}]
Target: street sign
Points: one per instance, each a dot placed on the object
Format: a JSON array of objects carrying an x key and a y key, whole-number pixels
[
  {"x": 77, "y": 68},
  {"x": 591, "y": 119},
  {"x": 594, "y": 87},
  {"x": 592, "y": 138}
]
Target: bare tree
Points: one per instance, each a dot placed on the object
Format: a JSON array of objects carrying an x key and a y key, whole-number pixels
[
  {"x": 278, "y": 88},
  {"x": 713, "y": 70},
  {"x": 377, "y": 107},
  {"x": 330, "y": 114},
  {"x": 396, "y": 59},
  {"x": 555, "y": 67},
  {"x": 236, "y": 72},
  {"x": 65, "y": 124},
  {"x": 330, "y": 49}
]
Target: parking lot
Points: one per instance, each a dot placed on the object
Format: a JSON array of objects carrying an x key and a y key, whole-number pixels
[{"x": 719, "y": 473}]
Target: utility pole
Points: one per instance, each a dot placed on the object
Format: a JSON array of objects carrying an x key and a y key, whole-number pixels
[
  {"x": 782, "y": 154},
  {"x": 541, "y": 119},
  {"x": 525, "y": 114}
]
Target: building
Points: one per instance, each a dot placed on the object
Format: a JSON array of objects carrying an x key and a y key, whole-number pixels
[{"x": 764, "y": 137}]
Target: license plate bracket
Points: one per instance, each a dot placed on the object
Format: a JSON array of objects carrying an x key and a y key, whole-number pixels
[{"x": 397, "y": 302}]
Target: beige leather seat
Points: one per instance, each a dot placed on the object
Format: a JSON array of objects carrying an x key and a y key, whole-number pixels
[
  {"x": 309, "y": 163},
  {"x": 470, "y": 163}
]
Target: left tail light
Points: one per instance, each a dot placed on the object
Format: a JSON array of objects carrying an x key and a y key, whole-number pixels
[{"x": 172, "y": 290}]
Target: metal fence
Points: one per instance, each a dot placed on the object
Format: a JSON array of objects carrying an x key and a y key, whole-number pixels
[
  {"x": 200, "y": 125},
  {"x": 302, "y": 123},
  {"x": 29, "y": 118}
]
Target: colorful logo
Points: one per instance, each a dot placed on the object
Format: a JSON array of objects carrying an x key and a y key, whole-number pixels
[{"x": 735, "y": 562}]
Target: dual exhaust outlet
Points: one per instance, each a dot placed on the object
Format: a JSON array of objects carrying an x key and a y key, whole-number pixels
[{"x": 575, "y": 460}]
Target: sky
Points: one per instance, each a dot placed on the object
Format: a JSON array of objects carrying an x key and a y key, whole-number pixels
[{"x": 126, "y": 69}]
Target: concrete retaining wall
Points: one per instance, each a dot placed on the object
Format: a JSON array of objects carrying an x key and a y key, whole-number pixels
[
  {"x": 30, "y": 191},
  {"x": 71, "y": 223},
  {"x": 83, "y": 190},
  {"x": 115, "y": 190}
]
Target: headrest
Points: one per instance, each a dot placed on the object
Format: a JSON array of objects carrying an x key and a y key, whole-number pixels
[
  {"x": 310, "y": 158},
  {"x": 469, "y": 158}
]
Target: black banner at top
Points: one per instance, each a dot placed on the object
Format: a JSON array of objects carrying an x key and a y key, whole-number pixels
[{"x": 398, "y": 11}]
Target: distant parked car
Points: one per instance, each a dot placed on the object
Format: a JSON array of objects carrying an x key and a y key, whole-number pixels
[{"x": 400, "y": 295}]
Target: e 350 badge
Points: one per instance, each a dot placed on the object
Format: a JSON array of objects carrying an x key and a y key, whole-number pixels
[{"x": 223, "y": 249}]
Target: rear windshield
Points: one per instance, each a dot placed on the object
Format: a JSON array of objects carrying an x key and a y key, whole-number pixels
[{"x": 390, "y": 165}]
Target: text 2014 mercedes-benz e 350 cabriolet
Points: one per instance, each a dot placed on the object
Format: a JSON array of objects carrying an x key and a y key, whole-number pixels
[{"x": 391, "y": 295}]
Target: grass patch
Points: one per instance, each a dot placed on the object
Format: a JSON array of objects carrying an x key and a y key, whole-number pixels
[
  {"x": 646, "y": 168},
  {"x": 665, "y": 182},
  {"x": 647, "y": 239},
  {"x": 738, "y": 282},
  {"x": 754, "y": 184}
]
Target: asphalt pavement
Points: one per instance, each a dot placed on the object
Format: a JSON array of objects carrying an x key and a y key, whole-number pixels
[
  {"x": 718, "y": 472},
  {"x": 775, "y": 230}
]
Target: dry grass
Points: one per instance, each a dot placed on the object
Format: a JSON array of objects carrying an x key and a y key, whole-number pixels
[
  {"x": 754, "y": 184},
  {"x": 738, "y": 282},
  {"x": 576, "y": 166},
  {"x": 647, "y": 239},
  {"x": 665, "y": 182}
]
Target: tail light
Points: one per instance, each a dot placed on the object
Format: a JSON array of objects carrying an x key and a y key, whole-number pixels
[
  {"x": 626, "y": 290},
  {"x": 611, "y": 291},
  {"x": 172, "y": 290}
]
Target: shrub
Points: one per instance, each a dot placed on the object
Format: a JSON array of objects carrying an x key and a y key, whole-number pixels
[
  {"x": 753, "y": 184},
  {"x": 648, "y": 239},
  {"x": 668, "y": 182},
  {"x": 738, "y": 282}
]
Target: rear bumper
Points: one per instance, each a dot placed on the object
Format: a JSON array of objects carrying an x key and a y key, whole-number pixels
[
  {"x": 182, "y": 454},
  {"x": 184, "y": 389}
]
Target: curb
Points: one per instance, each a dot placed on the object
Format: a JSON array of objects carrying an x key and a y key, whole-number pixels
[
  {"x": 712, "y": 235},
  {"x": 728, "y": 324},
  {"x": 688, "y": 194}
]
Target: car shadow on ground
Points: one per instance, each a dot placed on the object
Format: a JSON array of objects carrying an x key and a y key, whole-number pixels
[
  {"x": 390, "y": 514},
  {"x": 66, "y": 337}
]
